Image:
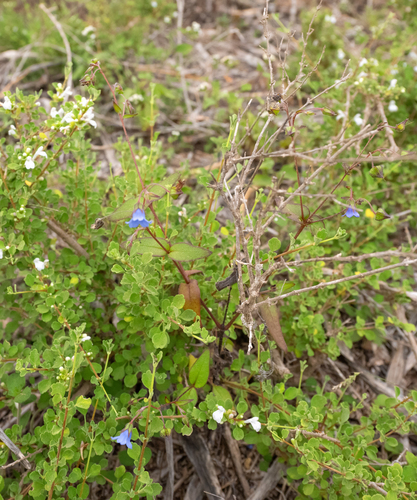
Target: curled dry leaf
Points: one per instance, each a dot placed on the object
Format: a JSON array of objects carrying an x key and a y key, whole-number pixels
[
  {"x": 191, "y": 292},
  {"x": 270, "y": 314}
]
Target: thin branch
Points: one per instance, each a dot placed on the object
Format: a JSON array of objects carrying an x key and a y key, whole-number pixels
[{"x": 274, "y": 300}]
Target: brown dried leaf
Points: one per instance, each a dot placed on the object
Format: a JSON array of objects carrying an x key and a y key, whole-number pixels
[
  {"x": 191, "y": 292},
  {"x": 270, "y": 314}
]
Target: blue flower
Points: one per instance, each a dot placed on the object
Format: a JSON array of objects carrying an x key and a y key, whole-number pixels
[
  {"x": 124, "y": 438},
  {"x": 138, "y": 218},
  {"x": 351, "y": 212}
]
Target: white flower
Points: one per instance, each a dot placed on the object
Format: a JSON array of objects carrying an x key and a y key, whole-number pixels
[
  {"x": 374, "y": 61},
  {"x": 340, "y": 54},
  {"x": 30, "y": 163},
  {"x": 88, "y": 117},
  {"x": 362, "y": 74},
  {"x": 392, "y": 83},
  {"x": 330, "y": 19},
  {"x": 392, "y": 107},
  {"x": 55, "y": 113},
  {"x": 40, "y": 266},
  {"x": 195, "y": 26},
  {"x": 12, "y": 130},
  {"x": 87, "y": 30},
  {"x": 167, "y": 19},
  {"x": 394, "y": 71},
  {"x": 340, "y": 114},
  {"x": 7, "y": 103},
  {"x": 84, "y": 102},
  {"x": 136, "y": 98},
  {"x": 67, "y": 358},
  {"x": 37, "y": 103},
  {"x": 358, "y": 120},
  {"x": 154, "y": 4},
  {"x": 203, "y": 86},
  {"x": 254, "y": 422},
  {"x": 175, "y": 14},
  {"x": 218, "y": 414},
  {"x": 64, "y": 93},
  {"x": 175, "y": 132},
  {"x": 1, "y": 253},
  {"x": 68, "y": 118},
  {"x": 362, "y": 62},
  {"x": 413, "y": 55},
  {"x": 415, "y": 69}
]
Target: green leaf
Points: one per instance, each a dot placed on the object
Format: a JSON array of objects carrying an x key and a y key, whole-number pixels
[
  {"x": 160, "y": 339},
  {"x": 318, "y": 401},
  {"x": 83, "y": 403},
  {"x": 274, "y": 244},
  {"x": 190, "y": 396},
  {"x": 117, "y": 108},
  {"x": 200, "y": 370},
  {"x": 44, "y": 385},
  {"x": 238, "y": 433},
  {"x": 184, "y": 252},
  {"x": 178, "y": 301},
  {"x": 117, "y": 269},
  {"x": 221, "y": 393},
  {"x": 147, "y": 379},
  {"x": 125, "y": 210},
  {"x": 131, "y": 380},
  {"x": 184, "y": 48},
  {"x": 149, "y": 245},
  {"x": 291, "y": 393}
]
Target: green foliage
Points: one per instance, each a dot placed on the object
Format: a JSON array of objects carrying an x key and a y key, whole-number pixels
[{"x": 87, "y": 300}]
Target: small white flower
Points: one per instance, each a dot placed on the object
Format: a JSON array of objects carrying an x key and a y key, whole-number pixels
[
  {"x": 374, "y": 61},
  {"x": 65, "y": 93},
  {"x": 254, "y": 422},
  {"x": 136, "y": 98},
  {"x": 175, "y": 132},
  {"x": 362, "y": 74},
  {"x": 68, "y": 118},
  {"x": 392, "y": 107},
  {"x": 1, "y": 253},
  {"x": 40, "y": 266},
  {"x": 413, "y": 55},
  {"x": 362, "y": 62},
  {"x": 195, "y": 26},
  {"x": 175, "y": 14},
  {"x": 167, "y": 19},
  {"x": 7, "y": 103},
  {"x": 85, "y": 337},
  {"x": 12, "y": 130},
  {"x": 87, "y": 30},
  {"x": 54, "y": 112},
  {"x": 61, "y": 368},
  {"x": 154, "y": 4},
  {"x": 330, "y": 19},
  {"x": 88, "y": 117},
  {"x": 7, "y": 247},
  {"x": 29, "y": 163},
  {"x": 393, "y": 83},
  {"x": 394, "y": 71},
  {"x": 218, "y": 414},
  {"x": 358, "y": 119},
  {"x": 84, "y": 102},
  {"x": 28, "y": 150},
  {"x": 203, "y": 86},
  {"x": 340, "y": 114},
  {"x": 340, "y": 54},
  {"x": 37, "y": 103}
]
